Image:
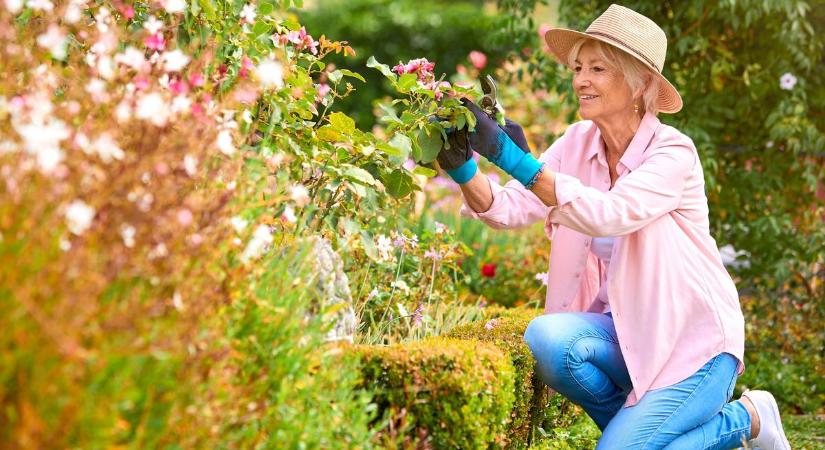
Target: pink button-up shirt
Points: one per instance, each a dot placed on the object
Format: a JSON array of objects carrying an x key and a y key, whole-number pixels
[{"x": 674, "y": 305}]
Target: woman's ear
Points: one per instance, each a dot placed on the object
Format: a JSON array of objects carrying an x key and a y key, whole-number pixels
[{"x": 640, "y": 92}]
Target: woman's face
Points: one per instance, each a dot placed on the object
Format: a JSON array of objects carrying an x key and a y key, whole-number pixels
[{"x": 600, "y": 88}]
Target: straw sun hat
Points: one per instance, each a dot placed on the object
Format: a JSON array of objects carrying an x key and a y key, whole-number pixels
[{"x": 631, "y": 32}]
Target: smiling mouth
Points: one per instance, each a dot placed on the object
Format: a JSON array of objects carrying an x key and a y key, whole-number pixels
[{"x": 587, "y": 97}]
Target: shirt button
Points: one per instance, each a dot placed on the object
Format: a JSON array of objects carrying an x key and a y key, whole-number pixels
[
  {"x": 587, "y": 244},
  {"x": 627, "y": 347},
  {"x": 577, "y": 275}
]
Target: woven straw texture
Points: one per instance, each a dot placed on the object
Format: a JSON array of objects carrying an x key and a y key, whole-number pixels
[{"x": 630, "y": 32}]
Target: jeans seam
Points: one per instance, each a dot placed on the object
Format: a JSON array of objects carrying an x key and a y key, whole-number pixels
[
  {"x": 567, "y": 361},
  {"x": 712, "y": 366},
  {"x": 725, "y": 436}
]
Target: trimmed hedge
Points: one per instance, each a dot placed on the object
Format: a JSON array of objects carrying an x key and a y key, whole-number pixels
[
  {"x": 441, "y": 392},
  {"x": 474, "y": 388},
  {"x": 504, "y": 328}
]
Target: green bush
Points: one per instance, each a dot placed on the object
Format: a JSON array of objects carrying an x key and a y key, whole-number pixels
[{"x": 444, "y": 393}]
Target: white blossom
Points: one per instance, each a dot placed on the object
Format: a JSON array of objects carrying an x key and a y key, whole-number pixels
[
  {"x": 43, "y": 141},
  {"x": 299, "y": 194},
  {"x": 174, "y": 61},
  {"x": 787, "y": 81},
  {"x": 107, "y": 149},
  {"x": 384, "y": 246},
  {"x": 153, "y": 107},
  {"x": 261, "y": 238},
  {"x": 152, "y": 25},
  {"x": 289, "y": 215},
  {"x": 131, "y": 57},
  {"x": 14, "y": 6},
  {"x": 44, "y": 5},
  {"x": 181, "y": 103},
  {"x": 177, "y": 301},
  {"x": 224, "y": 143},
  {"x": 54, "y": 40},
  {"x": 238, "y": 223},
  {"x": 74, "y": 12},
  {"x": 190, "y": 165},
  {"x": 127, "y": 233},
  {"x": 97, "y": 89},
  {"x": 248, "y": 13},
  {"x": 79, "y": 217},
  {"x": 270, "y": 73},
  {"x": 174, "y": 6},
  {"x": 123, "y": 112}
]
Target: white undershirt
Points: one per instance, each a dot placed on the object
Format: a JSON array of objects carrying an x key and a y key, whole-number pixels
[{"x": 602, "y": 247}]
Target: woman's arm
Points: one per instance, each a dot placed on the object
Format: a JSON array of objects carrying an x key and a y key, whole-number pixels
[
  {"x": 477, "y": 193},
  {"x": 545, "y": 187}
]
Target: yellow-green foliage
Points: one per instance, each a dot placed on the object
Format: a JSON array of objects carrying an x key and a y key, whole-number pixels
[
  {"x": 441, "y": 393},
  {"x": 533, "y": 406},
  {"x": 505, "y": 329}
]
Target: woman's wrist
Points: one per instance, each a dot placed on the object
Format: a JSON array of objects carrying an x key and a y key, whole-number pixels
[
  {"x": 515, "y": 161},
  {"x": 463, "y": 173}
]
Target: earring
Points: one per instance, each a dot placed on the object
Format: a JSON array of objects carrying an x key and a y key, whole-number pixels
[{"x": 635, "y": 108}]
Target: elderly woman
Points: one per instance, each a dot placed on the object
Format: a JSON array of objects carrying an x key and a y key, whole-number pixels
[{"x": 643, "y": 327}]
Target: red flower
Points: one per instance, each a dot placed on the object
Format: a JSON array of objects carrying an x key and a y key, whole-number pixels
[{"x": 488, "y": 270}]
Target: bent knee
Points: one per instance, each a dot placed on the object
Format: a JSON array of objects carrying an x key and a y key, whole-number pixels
[{"x": 549, "y": 335}]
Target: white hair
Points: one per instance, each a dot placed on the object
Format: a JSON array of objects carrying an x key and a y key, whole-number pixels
[{"x": 634, "y": 71}]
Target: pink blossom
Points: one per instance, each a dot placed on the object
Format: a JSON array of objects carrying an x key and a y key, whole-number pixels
[
  {"x": 246, "y": 65},
  {"x": 196, "y": 80},
  {"x": 185, "y": 217},
  {"x": 128, "y": 12},
  {"x": 155, "y": 42},
  {"x": 178, "y": 87},
  {"x": 322, "y": 89},
  {"x": 491, "y": 324},
  {"x": 478, "y": 59},
  {"x": 543, "y": 29}
]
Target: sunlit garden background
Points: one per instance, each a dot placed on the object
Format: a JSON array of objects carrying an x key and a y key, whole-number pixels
[{"x": 221, "y": 225}]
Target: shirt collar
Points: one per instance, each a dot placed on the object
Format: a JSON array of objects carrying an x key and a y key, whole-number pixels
[{"x": 632, "y": 157}]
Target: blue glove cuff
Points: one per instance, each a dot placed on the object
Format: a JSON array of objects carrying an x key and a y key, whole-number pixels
[
  {"x": 513, "y": 160},
  {"x": 465, "y": 172}
]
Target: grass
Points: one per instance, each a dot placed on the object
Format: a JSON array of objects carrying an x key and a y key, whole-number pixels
[{"x": 805, "y": 432}]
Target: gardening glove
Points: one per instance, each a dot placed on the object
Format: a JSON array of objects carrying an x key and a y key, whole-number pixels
[
  {"x": 505, "y": 146},
  {"x": 455, "y": 156}
]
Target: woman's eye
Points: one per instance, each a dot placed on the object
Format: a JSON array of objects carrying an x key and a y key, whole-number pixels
[
  {"x": 598, "y": 69},
  {"x": 577, "y": 69}
]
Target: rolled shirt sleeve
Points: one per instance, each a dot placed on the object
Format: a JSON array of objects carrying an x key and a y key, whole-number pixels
[{"x": 640, "y": 197}]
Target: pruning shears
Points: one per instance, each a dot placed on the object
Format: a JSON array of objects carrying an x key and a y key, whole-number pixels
[{"x": 489, "y": 101}]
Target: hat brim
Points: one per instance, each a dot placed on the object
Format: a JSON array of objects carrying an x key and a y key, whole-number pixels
[{"x": 561, "y": 40}]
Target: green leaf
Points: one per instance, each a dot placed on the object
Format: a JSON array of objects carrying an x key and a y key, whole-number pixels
[
  {"x": 398, "y": 183},
  {"x": 335, "y": 76},
  {"x": 342, "y": 122},
  {"x": 429, "y": 139},
  {"x": 360, "y": 175},
  {"x": 327, "y": 134},
  {"x": 389, "y": 149},
  {"x": 352, "y": 74},
  {"x": 407, "y": 81},
  {"x": 402, "y": 143},
  {"x": 426, "y": 171},
  {"x": 261, "y": 28},
  {"x": 383, "y": 68}
]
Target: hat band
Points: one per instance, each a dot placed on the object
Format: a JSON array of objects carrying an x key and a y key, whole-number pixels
[{"x": 629, "y": 47}]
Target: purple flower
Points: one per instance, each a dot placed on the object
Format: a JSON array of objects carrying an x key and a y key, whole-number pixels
[{"x": 418, "y": 315}]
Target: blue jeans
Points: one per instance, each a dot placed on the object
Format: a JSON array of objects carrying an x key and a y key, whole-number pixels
[{"x": 578, "y": 355}]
